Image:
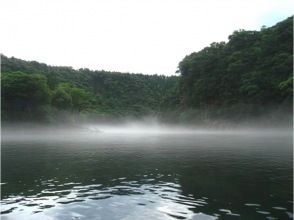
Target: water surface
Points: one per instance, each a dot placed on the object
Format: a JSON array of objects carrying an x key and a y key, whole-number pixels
[{"x": 85, "y": 174}]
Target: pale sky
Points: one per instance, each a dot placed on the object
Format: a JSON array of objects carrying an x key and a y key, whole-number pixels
[{"x": 139, "y": 36}]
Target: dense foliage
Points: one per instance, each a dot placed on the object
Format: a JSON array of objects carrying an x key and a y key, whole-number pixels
[
  {"x": 24, "y": 96},
  {"x": 68, "y": 93},
  {"x": 247, "y": 76}
]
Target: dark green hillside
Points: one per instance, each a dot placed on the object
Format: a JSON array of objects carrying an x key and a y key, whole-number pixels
[
  {"x": 249, "y": 76},
  {"x": 80, "y": 92}
]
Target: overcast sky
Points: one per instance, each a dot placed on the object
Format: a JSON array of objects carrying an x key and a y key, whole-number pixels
[{"x": 140, "y": 36}]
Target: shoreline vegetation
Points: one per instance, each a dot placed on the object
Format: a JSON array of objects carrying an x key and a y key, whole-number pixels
[{"x": 247, "y": 80}]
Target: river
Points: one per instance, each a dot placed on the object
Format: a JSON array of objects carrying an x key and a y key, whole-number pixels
[{"x": 136, "y": 174}]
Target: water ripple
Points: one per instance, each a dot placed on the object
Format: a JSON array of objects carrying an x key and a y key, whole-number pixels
[{"x": 164, "y": 197}]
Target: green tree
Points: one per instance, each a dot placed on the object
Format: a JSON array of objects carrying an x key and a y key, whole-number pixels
[
  {"x": 24, "y": 96},
  {"x": 61, "y": 98},
  {"x": 81, "y": 99}
]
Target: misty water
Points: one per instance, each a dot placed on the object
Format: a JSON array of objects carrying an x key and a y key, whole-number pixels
[{"x": 146, "y": 172}]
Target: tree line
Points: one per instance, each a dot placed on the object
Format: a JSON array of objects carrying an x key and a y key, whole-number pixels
[
  {"x": 247, "y": 76},
  {"x": 33, "y": 91}
]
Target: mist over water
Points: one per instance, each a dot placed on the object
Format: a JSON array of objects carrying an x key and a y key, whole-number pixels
[
  {"x": 146, "y": 170},
  {"x": 148, "y": 126}
]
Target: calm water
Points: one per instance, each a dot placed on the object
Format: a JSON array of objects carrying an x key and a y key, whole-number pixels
[{"x": 148, "y": 175}]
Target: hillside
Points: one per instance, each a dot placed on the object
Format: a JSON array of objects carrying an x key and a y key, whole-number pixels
[
  {"x": 249, "y": 76},
  {"x": 84, "y": 92}
]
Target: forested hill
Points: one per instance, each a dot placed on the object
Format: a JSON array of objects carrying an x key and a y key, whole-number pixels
[
  {"x": 249, "y": 76},
  {"x": 36, "y": 91}
]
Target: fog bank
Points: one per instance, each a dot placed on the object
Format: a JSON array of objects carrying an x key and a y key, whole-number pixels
[{"x": 128, "y": 128}]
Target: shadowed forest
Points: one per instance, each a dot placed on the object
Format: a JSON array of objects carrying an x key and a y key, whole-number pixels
[{"x": 250, "y": 76}]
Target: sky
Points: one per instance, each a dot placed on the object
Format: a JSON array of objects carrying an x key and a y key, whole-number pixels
[{"x": 137, "y": 36}]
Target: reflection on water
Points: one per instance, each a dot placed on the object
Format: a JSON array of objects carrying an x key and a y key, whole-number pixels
[
  {"x": 127, "y": 200},
  {"x": 200, "y": 175}
]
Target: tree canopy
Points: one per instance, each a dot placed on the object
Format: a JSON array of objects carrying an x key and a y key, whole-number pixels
[
  {"x": 245, "y": 76},
  {"x": 254, "y": 68}
]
